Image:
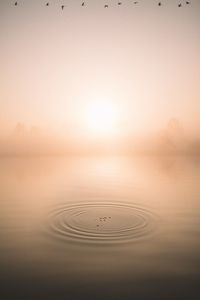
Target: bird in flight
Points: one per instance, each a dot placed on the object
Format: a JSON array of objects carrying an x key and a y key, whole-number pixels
[
  {"x": 106, "y": 6},
  {"x": 119, "y": 3},
  {"x": 159, "y": 3},
  {"x": 187, "y": 2}
]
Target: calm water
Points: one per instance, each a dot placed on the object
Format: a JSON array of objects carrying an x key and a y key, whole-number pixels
[{"x": 100, "y": 228}]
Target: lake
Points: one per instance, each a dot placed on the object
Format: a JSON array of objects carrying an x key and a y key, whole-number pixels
[{"x": 110, "y": 227}]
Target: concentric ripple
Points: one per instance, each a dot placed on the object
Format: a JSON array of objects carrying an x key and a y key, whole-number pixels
[{"x": 101, "y": 222}]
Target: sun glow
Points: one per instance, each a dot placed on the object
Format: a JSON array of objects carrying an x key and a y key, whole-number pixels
[{"x": 101, "y": 117}]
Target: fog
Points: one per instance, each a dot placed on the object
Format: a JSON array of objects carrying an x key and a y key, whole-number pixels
[
  {"x": 173, "y": 139},
  {"x": 143, "y": 59}
]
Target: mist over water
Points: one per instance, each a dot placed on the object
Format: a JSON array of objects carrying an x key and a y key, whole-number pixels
[
  {"x": 87, "y": 228},
  {"x": 171, "y": 139}
]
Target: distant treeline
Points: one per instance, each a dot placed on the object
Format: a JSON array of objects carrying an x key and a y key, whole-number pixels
[{"x": 171, "y": 140}]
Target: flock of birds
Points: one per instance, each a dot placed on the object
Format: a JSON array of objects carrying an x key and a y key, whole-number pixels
[{"x": 118, "y": 3}]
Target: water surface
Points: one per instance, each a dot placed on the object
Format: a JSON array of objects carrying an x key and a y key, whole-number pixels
[{"x": 99, "y": 227}]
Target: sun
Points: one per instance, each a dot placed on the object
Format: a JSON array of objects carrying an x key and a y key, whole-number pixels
[{"x": 101, "y": 117}]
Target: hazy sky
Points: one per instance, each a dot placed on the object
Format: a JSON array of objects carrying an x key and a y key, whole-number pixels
[{"x": 143, "y": 59}]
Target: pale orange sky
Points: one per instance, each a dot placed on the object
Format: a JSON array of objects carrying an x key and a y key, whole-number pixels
[{"x": 144, "y": 59}]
